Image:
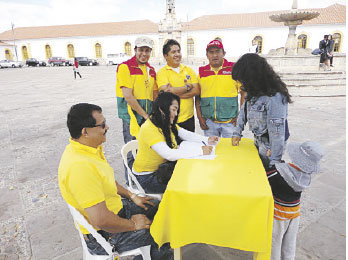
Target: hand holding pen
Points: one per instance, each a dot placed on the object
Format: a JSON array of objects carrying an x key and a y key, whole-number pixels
[{"x": 206, "y": 149}]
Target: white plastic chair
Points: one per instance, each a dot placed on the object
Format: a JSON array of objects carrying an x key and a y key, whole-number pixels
[
  {"x": 132, "y": 146},
  {"x": 79, "y": 219}
]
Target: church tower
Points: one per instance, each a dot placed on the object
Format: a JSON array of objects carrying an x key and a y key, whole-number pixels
[{"x": 169, "y": 27}]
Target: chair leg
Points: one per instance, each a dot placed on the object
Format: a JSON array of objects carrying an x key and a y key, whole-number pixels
[{"x": 145, "y": 251}]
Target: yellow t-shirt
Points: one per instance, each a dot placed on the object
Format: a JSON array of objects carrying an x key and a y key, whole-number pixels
[
  {"x": 142, "y": 85},
  {"x": 147, "y": 160},
  {"x": 167, "y": 75},
  {"x": 86, "y": 179}
]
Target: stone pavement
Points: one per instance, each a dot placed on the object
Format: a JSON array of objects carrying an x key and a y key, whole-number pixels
[{"x": 34, "y": 221}]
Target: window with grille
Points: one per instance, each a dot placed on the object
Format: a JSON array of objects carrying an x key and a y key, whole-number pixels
[
  {"x": 71, "y": 51},
  {"x": 258, "y": 40},
  {"x": 190, "y": 47},
  {"x": 98, "y": 50},
  {"x": 337, "y": 42},
  {"x": 48, "y": 51},
  {"x": 128, "y": 48},
  {"x": 302, "y": 41},
  {"x": 25, "y": 53}
]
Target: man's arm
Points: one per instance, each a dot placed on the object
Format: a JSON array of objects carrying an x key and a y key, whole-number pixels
[
  {"x": 175, "y": 90},
  {"x": 194, "y": 91},
  {"x": 132, "y": 102},
  {"x": 138, "y": 200},
  {"x": 242, "y": 98},
  {"x": 101, "y": 217},
  {"x": 201, "y": 119}
]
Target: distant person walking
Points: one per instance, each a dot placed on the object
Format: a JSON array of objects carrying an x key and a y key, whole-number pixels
[{"x": 76, "y": 68}]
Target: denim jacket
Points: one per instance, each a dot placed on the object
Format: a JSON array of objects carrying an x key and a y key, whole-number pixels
[{"x": 266, "y": 115}]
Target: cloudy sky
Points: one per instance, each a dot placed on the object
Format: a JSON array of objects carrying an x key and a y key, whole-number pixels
[{"x": 25, "y": 13}]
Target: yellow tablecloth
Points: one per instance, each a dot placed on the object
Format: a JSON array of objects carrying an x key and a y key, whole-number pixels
[{"x": 224, "y": 202}]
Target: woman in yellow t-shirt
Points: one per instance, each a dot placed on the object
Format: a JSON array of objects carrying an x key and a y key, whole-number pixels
[{"x": 159, "y": 139}]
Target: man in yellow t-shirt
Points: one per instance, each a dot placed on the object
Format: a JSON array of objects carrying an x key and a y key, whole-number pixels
[
  {"x": 136, "y": 86},
  {"x": 87, "y": 183},
  {"x": 180, "y": 80},
  {"x": 136, "y": 89}
]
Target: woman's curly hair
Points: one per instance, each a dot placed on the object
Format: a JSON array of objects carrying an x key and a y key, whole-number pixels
[
  {"x": 160, "y": 116},
  {"x": 258, "y": 77}
]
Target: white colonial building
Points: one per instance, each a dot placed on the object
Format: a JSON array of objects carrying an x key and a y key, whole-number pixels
[{"x": 236, "y": 31}]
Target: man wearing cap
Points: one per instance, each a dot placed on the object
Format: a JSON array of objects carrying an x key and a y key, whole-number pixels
[
  {"x": 136, "y": 88},
  {"x": 180, "y": 80},
  {"x": 217, "y": 102}
]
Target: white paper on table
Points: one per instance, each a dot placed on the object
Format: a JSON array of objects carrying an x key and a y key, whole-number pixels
[{"x": 192, "y": 146}]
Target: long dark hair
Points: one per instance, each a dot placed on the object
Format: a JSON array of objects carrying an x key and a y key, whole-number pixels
[
  {"x": 160, "y": 116},
  {"x": 258, "y": 77}
]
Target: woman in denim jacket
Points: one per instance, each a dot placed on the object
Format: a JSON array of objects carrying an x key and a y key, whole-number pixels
[{"x": 266, "y": 107}]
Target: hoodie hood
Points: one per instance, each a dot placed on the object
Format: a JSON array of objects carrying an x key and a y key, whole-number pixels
[{"x": 296, "y": 179}]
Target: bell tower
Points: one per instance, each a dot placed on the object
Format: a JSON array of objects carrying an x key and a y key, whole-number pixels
[{"x": 169, "y": 27}]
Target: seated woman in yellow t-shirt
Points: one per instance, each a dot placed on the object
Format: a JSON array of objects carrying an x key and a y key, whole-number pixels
[{"x": 158, "y": 141}]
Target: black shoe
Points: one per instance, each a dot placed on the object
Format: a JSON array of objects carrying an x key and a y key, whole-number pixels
[{"x": 331, "y": 65}]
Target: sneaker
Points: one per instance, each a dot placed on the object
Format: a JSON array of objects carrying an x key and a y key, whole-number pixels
[{"x": 331, "y": 65}]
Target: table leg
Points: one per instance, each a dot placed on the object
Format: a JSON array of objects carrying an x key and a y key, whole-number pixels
[
  {"x": 261, "y": 256},
  {"x": 177, "y": 254}
]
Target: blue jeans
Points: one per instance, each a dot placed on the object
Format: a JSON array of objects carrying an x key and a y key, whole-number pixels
[
  {"x": 126, "y": 241},
  {"x": 127, "y": 137},
  {"x": 219, "y": 129},
  {"x": 150, "y": 183}
]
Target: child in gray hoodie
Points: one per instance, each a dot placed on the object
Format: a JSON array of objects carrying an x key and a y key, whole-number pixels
[{"x": 287, "y": 181}]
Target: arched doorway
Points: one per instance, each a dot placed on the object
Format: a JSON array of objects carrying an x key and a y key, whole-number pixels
[
  {"x": 8, "y": 54},
  {"x": 98, "y": 50},
  {"x": 25, "y": 53},
  {"x": 71, "y": 51},
  {"x": 337, "y": 37},
  {"x": 190, "y": 47},
  {"x": 48, "y": 51},
  {"x": 128, "y": 48},
  {"x": 258, "y": 40},
  {"x": 302, "y": 41}
]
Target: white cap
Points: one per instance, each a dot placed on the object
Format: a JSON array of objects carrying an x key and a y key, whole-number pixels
[{"x": 143, "y": 42}]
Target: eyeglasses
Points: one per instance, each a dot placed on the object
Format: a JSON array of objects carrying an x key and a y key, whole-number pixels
[{"x": 102, "y": 125}]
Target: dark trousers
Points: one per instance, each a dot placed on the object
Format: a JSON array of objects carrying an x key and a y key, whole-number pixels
[
  {"x": 126, "y": 241},
  {"x": 331, "y": 60},
  {"x": 78, "y": 73},
  {"x": 189, "y": 124}
]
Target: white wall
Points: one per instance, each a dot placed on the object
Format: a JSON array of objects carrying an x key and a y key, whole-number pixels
[
  {"x": 236, "y": 41},
  {"x": 83, "y": 46}
]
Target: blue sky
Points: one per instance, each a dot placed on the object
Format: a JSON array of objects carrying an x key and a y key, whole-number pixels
[{"x": 56, "y": 12}]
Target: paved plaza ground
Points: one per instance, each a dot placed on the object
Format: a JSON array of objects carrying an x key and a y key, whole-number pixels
[{"x": 34, "y": 220}]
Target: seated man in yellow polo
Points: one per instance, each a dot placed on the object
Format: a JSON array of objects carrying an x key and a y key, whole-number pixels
[
  {"x": 87, "y": 183},
  {"x": 217, "y": 104},
  {"x": 180, "y": 80}
]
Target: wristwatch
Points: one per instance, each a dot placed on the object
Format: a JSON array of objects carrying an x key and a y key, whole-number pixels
[{"x": 187, "y": 88}]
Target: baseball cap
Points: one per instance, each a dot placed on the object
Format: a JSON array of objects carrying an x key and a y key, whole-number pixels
[
  {"x": 143, "y": 41},
  {"x": 215, "y": 43}
]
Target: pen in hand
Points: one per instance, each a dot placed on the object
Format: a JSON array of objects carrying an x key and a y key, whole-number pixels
[{"x": 204, "y": 143}]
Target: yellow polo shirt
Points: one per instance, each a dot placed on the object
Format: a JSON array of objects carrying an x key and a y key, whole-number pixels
[
  {"x": 167, "y": 75},
  {"x": 86, "y": 179},
  {"x": 147, "y": 160}
]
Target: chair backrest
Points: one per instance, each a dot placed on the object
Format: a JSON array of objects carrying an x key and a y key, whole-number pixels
[
  {"x": 131, "y": 146},
  {"x": 79, "y": 219}
]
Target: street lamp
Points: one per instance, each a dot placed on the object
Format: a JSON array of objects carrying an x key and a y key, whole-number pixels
[{"x": 14, "y": 42}]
